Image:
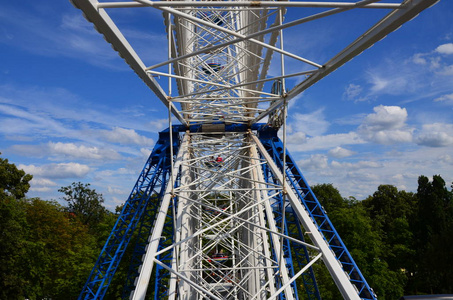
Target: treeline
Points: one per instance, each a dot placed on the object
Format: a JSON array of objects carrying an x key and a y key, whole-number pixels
[
  {"x": 401, "y": 241},
  {"x": 47, "y": 250}
]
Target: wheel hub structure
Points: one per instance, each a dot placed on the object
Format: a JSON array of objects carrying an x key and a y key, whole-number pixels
[{"x": 221, "y": 209}]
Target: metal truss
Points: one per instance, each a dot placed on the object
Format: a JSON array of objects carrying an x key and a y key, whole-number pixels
[
  {"x": 227, "y": 230},
  {"x": 248, "y": 226},
  {"x": 219, "y": 53},
  {"x": 226, "y": 243}
]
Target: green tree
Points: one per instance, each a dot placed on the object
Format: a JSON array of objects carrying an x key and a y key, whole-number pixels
[
  {"x": 391, "y": 211},
  {"x": 433, "y": 228},
  {"x": 329, "y": 196},
  {"x": 363, "y": 240},
  {"x": 60, "y": 252},
  {"x": 14, "y": 184},
  {"x": 13, "y": 233},
  {"x": 85, "y": 203},
  {"x": 13, "y": 181}
]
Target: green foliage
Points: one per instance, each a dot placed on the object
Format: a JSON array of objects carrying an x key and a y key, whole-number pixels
[
  {"x": 433, "y": 229},
  {"x": 402, "y": 242},
  {"x": 13, "y": 181},
  {"x": 44, "y": 253},
  {"x": 61, "y": 252},
  {"x": 85, "y": 203},
  {"x": 46, "y": 250},
  {"x": 391, "y": 211},
  {"x": 14, "y": 184},
  {"x": 13, "y": 232},
  {"x": 329, "y": 197},
  {"x": 376, "y": 232}
]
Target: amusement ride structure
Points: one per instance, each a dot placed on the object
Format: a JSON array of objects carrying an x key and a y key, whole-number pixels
[{"x": 220, "y": 209}]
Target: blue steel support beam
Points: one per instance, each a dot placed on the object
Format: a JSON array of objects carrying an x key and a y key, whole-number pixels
[
  {"x": 146, "y": 226},
  {"x": 133, "y": 210},
  {"x": 274, "y": 146},
  {"x": 299, "y": 255}
]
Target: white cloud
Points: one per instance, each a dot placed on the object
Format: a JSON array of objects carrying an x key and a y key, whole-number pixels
[
  {"x": 387, "y": 79},
  {"x": 355, "y": 166},
  {"x": 445, "y": 49},
  {"x": 446, "y": 159},
  {"x": 315, "y": 162},
  {"x": 296, "y": 138},
  {"x": 385, "y": 118},
  {"x": 313, "y": 124},
  {"x": 446, "y": 70},
  {"x": 419, "y": 59},
  {"x": 70, "y": 36},
  {"x": 145, "y": 152},
  {"x": 362, "y": 176},
  {"x": 159, "y": 124},
  {"x": 386, "y": 126},
  {"x": 391, "y": 137},
  {"x": 448, "y": 99},
  {"x": 62, "y": 170},
  {"x": 120, "y": 171},
  {"x": 353, "y": 93},
  {"x": 327, "y": 142},
  {"x": 23, "y": 122},
  {"x": 339, "y": 152},
  {"x": 72, "y": 150},
  {"x": 435, "y": 63},
  {"x": 61, "y": 150},
  {"x": 42, "y": 185},
  {"x": 116, "y": 191},
  {"x": 398, "y": 75},
  {"x": 125, "y": 136},
  {"x": 436, "y": 135},
  {"x": 42, "y": 182},
  {"x": 401, "y": 169},
  {"x": 41, "y": 189},
  {"x": 379, "y": 83}
]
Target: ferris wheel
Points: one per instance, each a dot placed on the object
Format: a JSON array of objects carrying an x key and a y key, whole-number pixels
[{"x": 221, "y": 209}]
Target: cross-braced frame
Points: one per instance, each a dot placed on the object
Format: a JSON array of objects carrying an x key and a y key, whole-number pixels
[{"x": 224, "y": 212}]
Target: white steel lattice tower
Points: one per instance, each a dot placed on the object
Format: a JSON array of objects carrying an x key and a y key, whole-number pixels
[{"x": 221, "y": 209}]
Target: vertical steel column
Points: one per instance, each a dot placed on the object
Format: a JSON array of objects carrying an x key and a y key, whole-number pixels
[{"x": 154, "y": 240}]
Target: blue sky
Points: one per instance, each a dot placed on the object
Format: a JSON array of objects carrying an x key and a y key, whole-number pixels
[{"x": 72, "y": 110}]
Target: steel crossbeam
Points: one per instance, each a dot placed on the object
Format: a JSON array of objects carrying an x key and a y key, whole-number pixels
[{"x": 229, "y": 229}]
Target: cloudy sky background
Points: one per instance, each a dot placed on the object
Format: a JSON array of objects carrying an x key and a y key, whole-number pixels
[{"x": 72, "y": 110}]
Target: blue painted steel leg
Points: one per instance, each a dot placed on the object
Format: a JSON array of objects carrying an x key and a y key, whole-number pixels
[
  {"x": 296, "y": 255},
  {"x": 274, "y": 146},
  {"x": 146, "y": 188},
  {"x": 144, "y": 231}
]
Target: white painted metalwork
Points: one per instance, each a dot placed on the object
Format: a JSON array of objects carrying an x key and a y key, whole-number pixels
[
  {"x": 221, "y": 51},
  {"x": 220, "y": 59},
  {"x": 224, "y": 223}
]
